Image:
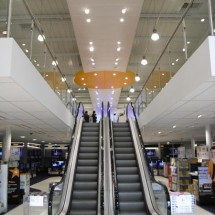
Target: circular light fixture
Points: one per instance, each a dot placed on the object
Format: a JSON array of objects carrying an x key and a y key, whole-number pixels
[
  {"x": 144, "y": 61},
  {"x": 132, "y": 90},
  {"x": 86, "y": 11},
  {"x": 128, "y": 98},
  {"x": 137, "y": 78},
  {"x": 155, "y": 35}
]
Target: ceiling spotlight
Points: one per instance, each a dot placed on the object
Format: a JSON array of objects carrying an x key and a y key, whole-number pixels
[
  {"x": 54, "y": 63},
  {"x": 155, "y": 35},
  {"x": 41, "y": 37},
  {"x": 88, "y": 20},
  {"x": 95, "y": 74},
  {"x": 91, "y": 48},
  {"x": 4, "y": 32},
  {"x": 128, "y": 98},
  {"x": 124, "y": 10},
  {"x": 118, "y": 49},
  {"x": 116, "y": 63},
  {"x": 144, "y": 61},
  {"x": 199, "y": 116},
  {"x": 122, "y": 20},
  {"x": 93, "y": 63},
  {"x": 118, "y": 42},
  {"x": 69, "y": 90},
  {"x": 202, "y": 20},
  {"x": 92, "y": 59},
  {"x": 174, "y": 126},
  {"x": 137, "y": 78},
  {"x": 22, "y": 137},
  {"x": 86, "y": 11},
  {"x": 63, "y": 78},
  {"x": 132, "y": 89}
]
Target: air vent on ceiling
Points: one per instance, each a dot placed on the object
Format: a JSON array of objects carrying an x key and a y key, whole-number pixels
[{"x": 194, "y": 6}]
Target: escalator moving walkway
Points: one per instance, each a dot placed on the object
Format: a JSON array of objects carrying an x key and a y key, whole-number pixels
[
  {"x": 85, "y": 195},
  {"x": 130, "y": 191}
]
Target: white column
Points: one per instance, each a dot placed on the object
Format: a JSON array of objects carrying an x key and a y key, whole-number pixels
[
  {"x": 159, "y": 151},
  {"x": 208, "y": 136},
  {"x": 6, "y": 145},
  {"x": 192, "y": 146}
]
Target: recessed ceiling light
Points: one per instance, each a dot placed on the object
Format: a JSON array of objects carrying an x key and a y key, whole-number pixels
[
  {"x": 40, "y": 38},
  {"x": 202, "y": 20},
  {"x": 95, "y": 74},
  {"x": 23, "y": 44},
  {"x": 22, "y": 137},
  {"x": 69, "y": 90},
  {"x": 88, "y": 20},
  {"x": 26, "y": 50},
  {"x": 84, "y": 84},
  {"x": 82, "y": 79},
  {"x": 118, "y": 49},
  {"x": 54, "y": 63},
  {"x": 155, "y": 86},
  {"x": 188, "y": 42},
  {"x": 183, "y": 49},
  {"x": 122, "y": 20},
  {"x": 92, "y": 59},
  {"x": 4, "y": 32},
  {"x": 116, "y": 63},
  {"x": 124, "y": 10},
  {"x": 199, "y": 116},
  {"x": 93, "y": 63},
  {"x": 34, "y": 139},
  {"x": 163, "y": 74},
  {"x": 174, "y": 126},
  {"x": 111, "y": 87},
  {"x": 43, "y": 141},
  {"x": 125, "y": 83},
  {"x": 117, "y": 59},
  {"x": 91, "y": 43},
  {"x": 126, "y": 78},
  {"x": 35, "y": 61},
  {"x": 118, "y": 42},
  {"x": 114, "y": 74},
  {"x": 177, "y": 60},
  {"x": 38, "y": 64},
  {"x": 96, "y": 87},
  {"x": 86, "y": 11},
  {"x": 159, "y": 132},
  {"x": 173, "y": 64},
  {"x": 91, "y": 48}
]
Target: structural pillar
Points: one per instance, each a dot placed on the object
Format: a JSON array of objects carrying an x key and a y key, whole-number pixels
[
  {"x": 6, "y": 145},
  {"x": 192, "y": 146},
  {"x": 159, "y": 151},
  {"x": 208, "y": 136}
]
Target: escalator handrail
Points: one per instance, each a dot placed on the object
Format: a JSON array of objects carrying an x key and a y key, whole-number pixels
[
  {"x": 143, "y": 150},
  {"x": 113, "y": 162},
  {"x": 67, "y": 161},
  {"x": 100, "y": 170}
]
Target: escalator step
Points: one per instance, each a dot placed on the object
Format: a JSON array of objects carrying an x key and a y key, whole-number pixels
[
  {"x": 128, "y": 178},
  {"x": 130, "y": 196},
  {"x": 122, "y": 139},
  {"x": 127, "y": 170},
  {"x": 85, "y": 195},
  {"x": 86, "y": 186},
  {"x": 87, "y": 169},
  {"x": 131, "y": 206},
  {"x": 87, "y": 162},
  {"x": 124, "y": 150},
  {"x": 83, "y": 212},
  {"x": 86, "y": 177},
  {"x": 90, "y": 139},
  {"x": 90, "y": 133},
  {"x": 122, "y": 134},
  {"x": 88, "y": 149},
  {"x": 126, "y": 163},
  {"x": 89, "y": 144},
  {"x": 123, "y": 129},
  {"x": 125, "y": 156},
  {"x": 123, "y": 144},
  {"x": 88, "y": 156},
  {"x": 129, "y": 187},
  {"x": 84, "y": 204}
]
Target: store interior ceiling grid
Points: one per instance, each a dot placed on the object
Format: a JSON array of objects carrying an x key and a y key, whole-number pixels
[{"x": 73, "y": 55}]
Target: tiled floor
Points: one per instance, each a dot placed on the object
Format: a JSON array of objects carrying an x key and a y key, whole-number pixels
[{"x": 44, "y": 186}]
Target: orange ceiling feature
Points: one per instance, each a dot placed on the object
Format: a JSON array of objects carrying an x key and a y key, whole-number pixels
[{"x": 104, "y": 79}]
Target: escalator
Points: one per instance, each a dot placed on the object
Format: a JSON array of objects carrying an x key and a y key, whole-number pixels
[
  {"x": 130, "y": 190},
  {"x": 84, "y": 198}
]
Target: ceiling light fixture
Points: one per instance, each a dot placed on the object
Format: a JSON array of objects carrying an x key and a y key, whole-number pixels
[
  {"x": 91, "y": 48},
  {"x": 69, "y": 90},
  {"x": 95, "y": 74},
  {"x": 92, "y": 59},
  {"x": 144, "y": 61},
  {"x": 88, "y": 20},
  {"x": 23, "y": 44},
  {"x": 199, "y": 116},
  {"x": 132, "y": 90},
  {"x": 128, "y": 98},
  {"x": 118, "y": 42},
  {"x": 54, "y": 63},
  {"x": 124, "y": 10},
  {"x": 174, "y": 126},
  {"x": 137, "y": 78},
  {"x": 41, "y": 38},
  {"x": 155, "y": 36},
  {"x": 202, "y": 20},
  {"x": 4, "y": 32},
  {"x": 22, "y": 137},
  {"x": 86, "y": 11},
  {"x": 122, "y": 20},
  {"x": 118, "y": 49},
  {"x": 63, "y": 78},
  {"x": 114, "y": 74}
]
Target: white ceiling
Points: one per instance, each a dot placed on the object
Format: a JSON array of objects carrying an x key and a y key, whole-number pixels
[{"x": 69, "y": 39}]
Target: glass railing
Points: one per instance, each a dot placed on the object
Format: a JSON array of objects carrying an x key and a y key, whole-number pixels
[
  {"x": 176, "y": 50},
  {"x": 28, "y": 32},
  {"x": 56, "y": 192},
  {"x": 159, "y": 196}
]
